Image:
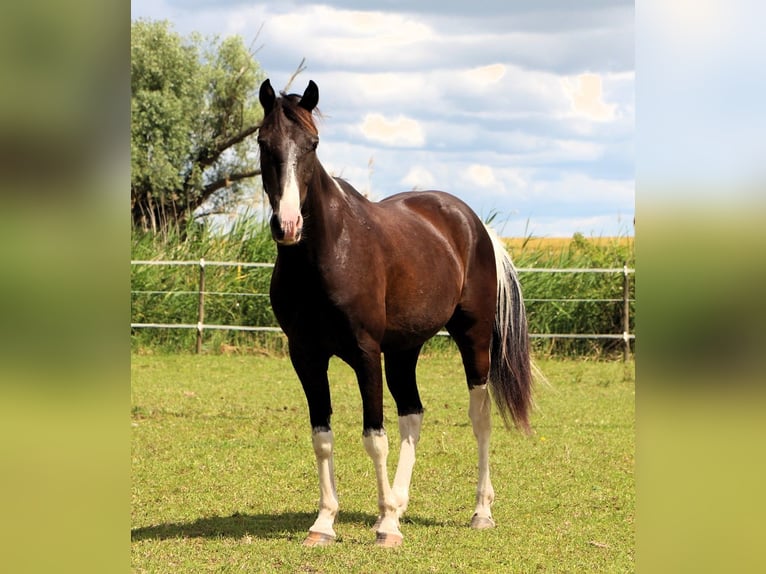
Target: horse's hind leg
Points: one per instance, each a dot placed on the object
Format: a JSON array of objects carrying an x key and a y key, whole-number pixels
[
  {"x": 473, "y": 340},
  {"x": 400, "y": 376},
  {"x": 479, "y": 413}
]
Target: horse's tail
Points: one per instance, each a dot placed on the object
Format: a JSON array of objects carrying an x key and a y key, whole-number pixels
[{"x": 510, "y": 370}]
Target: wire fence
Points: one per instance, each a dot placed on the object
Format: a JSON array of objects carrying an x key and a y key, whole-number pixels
[{"x": 201, "y": 293}]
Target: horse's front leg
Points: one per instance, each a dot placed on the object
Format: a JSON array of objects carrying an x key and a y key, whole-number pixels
[
  {"x": 312, "y": 373},
  {"x": 321, "y": 532},
  {"x": 400, "y": 376},
  {"x": 370, "y": 376}
]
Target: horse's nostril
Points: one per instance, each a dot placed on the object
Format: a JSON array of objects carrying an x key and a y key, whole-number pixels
[{"x": 276, "y": 228}]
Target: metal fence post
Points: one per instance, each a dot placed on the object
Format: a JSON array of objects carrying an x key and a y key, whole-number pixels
[
  {"x": 201, "y": 307},
  {"x": 625, "y": 312}
]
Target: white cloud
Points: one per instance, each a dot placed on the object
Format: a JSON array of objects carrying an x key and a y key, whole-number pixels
[
  {"x": 481, "y": 175},
  {"x": 418, "y": 178},
  {"x": 400, "y": 131},
  {"x": 586, "y": 95},
  {"x": 707, "y": 23},
  {"x": 349, "y": 37},
  {"x": 486, "y": 75},
  {"x": 493, "y": 107},
  {"x": 373, "y": 90},
  {"x": 514, "y": 177}
]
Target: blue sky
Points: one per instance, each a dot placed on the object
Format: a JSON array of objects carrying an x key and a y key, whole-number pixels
[
  {"x": 701, "y": 91},
  {"x": 521, "y": 108}
]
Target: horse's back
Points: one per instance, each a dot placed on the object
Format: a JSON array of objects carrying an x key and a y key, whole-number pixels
[
  {"x": 441, "y": 219},
  {"x": 432, "y": 205}
]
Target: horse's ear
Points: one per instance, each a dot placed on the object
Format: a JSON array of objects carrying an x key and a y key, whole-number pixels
[
  {"x": 267, "y": 97},
  {"x": 310, "y": 97}
]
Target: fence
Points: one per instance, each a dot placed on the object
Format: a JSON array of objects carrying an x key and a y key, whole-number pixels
[{"x": 626, "y": 336}]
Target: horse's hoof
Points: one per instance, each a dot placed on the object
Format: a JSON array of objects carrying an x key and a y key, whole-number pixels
[
  {"x": 388, "y": 540},
  {"x": 318, "y": 539},
  {"x": 482, "y": 522}
]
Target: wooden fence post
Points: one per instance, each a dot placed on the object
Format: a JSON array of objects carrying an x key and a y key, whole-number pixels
[
  {"x": 625, "y": 312},
  {"x": 201, "y": 307}
]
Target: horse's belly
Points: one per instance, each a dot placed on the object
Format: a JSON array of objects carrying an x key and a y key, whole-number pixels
[
  {"x": 416, "y": 320},
  {"x": 398, "y": 339}
]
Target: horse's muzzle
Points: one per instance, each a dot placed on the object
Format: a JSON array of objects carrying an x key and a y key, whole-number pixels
[{"x": 286, "y": 231}]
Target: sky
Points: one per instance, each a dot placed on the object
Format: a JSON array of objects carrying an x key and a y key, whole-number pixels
[
  {"x": 701, "y": 91},
  {"x": 524, "y": 109}
]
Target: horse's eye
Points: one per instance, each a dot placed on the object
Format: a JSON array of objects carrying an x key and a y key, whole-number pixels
[{"x": 314, "y": 145}]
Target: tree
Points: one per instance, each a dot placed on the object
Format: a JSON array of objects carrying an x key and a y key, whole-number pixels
[{"x": 194, "y": 107}]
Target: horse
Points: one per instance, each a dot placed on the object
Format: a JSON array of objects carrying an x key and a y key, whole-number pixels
[{"x": 358, "y": 279}]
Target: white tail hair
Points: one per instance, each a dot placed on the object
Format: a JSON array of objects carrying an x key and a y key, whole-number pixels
[{"x": 510, "y": 374}]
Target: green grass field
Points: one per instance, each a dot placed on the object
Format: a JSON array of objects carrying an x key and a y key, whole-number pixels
[{"x": 224, "y": 480}]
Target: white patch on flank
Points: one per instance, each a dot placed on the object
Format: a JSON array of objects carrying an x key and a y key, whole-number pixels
[{"x": 343, "y": 247}]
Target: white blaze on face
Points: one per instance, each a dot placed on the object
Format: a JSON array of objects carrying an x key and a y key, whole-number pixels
[{"x": 289, "y": 208}]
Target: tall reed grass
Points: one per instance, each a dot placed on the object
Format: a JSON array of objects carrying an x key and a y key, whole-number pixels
[
  {"x": 233, "y": 295},
  {"x": 239, "y": 295},
  {"x": 570, "y": 310}
]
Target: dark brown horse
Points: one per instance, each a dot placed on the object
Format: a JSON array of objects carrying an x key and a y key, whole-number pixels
[{"x": 357, "y": 279}]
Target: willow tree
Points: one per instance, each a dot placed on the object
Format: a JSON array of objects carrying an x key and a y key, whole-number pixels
[{"x": 194, "y": 107}]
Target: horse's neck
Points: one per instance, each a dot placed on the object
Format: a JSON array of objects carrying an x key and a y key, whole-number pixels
[{"x": 328, "y": 206}]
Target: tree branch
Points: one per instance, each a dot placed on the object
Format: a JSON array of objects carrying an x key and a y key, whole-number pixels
[
  {"x": 235, "y": 139},
  {"x": 207, "y": 157},
  {"x": 214, "y": 186}
]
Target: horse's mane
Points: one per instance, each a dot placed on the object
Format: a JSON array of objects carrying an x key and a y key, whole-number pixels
[{"x": 291, "y": 109}]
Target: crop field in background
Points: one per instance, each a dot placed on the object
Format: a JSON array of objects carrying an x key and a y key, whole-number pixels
[
  {"x": 224, "y": 479},
  {"x": 553, "y": 249}
]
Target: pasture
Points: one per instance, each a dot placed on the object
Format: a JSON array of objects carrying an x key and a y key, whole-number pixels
[{"x": 224, "y": 477}]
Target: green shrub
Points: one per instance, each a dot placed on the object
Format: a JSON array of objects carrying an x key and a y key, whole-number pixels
[{"x": 239, "y": 295}]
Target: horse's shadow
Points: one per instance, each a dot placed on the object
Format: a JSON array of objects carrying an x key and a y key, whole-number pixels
[{"x": 282, "y": 525}]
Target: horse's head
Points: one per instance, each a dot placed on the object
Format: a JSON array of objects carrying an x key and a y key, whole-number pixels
[{"x": 288, "y": 140}]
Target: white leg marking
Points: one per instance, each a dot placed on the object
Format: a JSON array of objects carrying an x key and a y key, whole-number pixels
[
  {"x": 409, "y": 431},
  {"x": 328, "y": 498},
  {"x": 479, "y": 411},
  {"x": 376, "y": 445}
]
